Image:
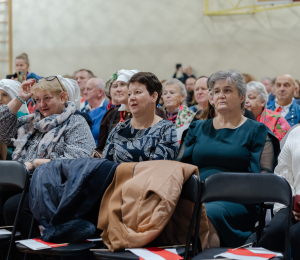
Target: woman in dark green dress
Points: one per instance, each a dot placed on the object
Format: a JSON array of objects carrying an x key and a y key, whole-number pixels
[{"x": 229, "y": 143}]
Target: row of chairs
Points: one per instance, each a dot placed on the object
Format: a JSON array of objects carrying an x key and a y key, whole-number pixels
[{"x": 243, "y": 188}]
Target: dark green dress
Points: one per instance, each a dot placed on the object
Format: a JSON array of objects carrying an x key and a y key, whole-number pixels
[{"x": 227, "y": 150}]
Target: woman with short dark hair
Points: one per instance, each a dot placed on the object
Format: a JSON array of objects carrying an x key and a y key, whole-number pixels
[
  {"x": 145, "y": 136},
  {"x": 116, "y": 115}
]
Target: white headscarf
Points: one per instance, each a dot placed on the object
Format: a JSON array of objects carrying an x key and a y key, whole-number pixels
[
  {"x": 11, "y": 88},
  {"x": 125, "y": 75},
  {"x": 72, "y": 89}
]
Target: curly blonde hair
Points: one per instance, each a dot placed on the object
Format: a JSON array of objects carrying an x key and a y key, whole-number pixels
[{"x": 53, "y": 87}]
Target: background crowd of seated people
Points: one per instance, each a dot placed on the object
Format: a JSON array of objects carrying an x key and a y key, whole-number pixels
[{"x": 125, "y": 122}]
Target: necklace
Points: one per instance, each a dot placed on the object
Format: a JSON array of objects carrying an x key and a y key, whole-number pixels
[{"x": 231, "y": 128}]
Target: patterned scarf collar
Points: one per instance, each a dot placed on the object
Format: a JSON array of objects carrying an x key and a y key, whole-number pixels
[
  {"x": 172, "y": 116},
  {"x": 53, "y": 126}
]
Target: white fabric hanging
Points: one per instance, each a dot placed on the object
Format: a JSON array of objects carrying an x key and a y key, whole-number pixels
[{"x": 72, "y": 89}]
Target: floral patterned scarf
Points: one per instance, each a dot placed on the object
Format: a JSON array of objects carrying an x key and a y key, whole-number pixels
[
  {"x": 275, "y": 122},
  {"x": 184, "y": 116},
  {"x": 52, "y": 126}
]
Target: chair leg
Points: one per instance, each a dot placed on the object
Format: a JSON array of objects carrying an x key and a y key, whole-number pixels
[
  {"x": 30, "y": 233},
  {"x": 13, "y": 233}
]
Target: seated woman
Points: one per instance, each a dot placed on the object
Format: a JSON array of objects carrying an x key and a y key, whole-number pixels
[
  {"x": 229, "y": 142},
  {"x": 22, "y": 64},
  {"x": 174, "y": 94},
  {"x": 200, "y": 95},
  {"x": 288, "y": 167},
  {"x": 111, "y": 91},
  {"x": 8, "y": 91},
  {"x": 146, "y": 136},
  {"x": 117, "y": 115},
  {"x": 53, "y": 132},
  {"x": 257, "y": 98}
]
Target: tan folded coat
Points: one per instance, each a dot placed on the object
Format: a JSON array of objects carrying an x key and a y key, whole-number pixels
[
  {"x": 3, "y": 151},
  {"x": 137, "y": 208}
]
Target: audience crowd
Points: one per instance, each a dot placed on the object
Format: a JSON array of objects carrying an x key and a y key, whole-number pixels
[{"x": 234, "y": 124}]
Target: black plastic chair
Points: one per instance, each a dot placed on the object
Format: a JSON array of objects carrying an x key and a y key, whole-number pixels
[
  {"x": 190, "y": 191},
  {"x": 245, "y": 188},
  {"x": 14, "y": 178}
]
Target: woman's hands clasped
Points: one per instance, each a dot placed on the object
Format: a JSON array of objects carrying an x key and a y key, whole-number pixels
[{"x": 24, "y": 91}]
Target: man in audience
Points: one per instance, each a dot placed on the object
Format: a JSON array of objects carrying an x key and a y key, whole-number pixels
[
  {"x": 284, "y": 104},
  {"x": 94, "y": 95},
  {"x": 82, "y": 76},
  {"x": 189, "y": 85},
  {"x": 267, "y": 82},
  {"x": 186, "y": 73}
]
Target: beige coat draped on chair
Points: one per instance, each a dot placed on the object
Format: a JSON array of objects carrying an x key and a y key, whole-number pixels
[{"x": 142, "y": 206}]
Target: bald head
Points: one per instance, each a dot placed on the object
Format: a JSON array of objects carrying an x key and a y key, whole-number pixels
[
  {"x": 97, "y": 83},
  {"x": 284, "y": 89},
  {"x": 94, "y": 90}
]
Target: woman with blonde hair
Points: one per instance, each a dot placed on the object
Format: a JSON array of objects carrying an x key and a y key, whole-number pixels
[{"x": 54, "y": 131}]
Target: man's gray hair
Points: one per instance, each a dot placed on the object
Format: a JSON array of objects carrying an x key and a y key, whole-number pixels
[
  {"x": 260, "y": 89},
  {"x": 178, "y": 83},
  {"x": 266, "y": 78},
  {"x": 233, "y": 77}
]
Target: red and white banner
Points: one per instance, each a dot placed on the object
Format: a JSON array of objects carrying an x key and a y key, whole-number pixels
[
  {"x": 155, "y": 253},
  {"x": 38, "y": 244},
  {"x": 255, "y": 253}
]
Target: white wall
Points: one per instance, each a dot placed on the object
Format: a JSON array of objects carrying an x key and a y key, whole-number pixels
[{"x": 61, "y": 36}]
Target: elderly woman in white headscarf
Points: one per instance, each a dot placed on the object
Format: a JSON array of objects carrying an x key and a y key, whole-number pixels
[
  {"x": 8, "y": 90},
  {"x": 54, "y": 131}
]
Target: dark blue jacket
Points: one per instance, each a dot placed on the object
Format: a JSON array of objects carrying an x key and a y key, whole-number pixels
[
  {"x": 293, "y": 116},
  {"x": 62, "y": 190}
]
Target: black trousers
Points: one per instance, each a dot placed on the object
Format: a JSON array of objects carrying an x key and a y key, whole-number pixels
[
  {"x": 274, "y": 234},
  {"x": 24, "y": 221},
  {"x": 25, "y": 218}
]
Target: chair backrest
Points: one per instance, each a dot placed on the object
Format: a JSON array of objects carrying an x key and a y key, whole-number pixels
[
  {"x": 249, "y": 188},
  {"x": 13, "y": 175},
  {"x": 182, "y": 146},
  {"x": 190, "y": 189},
  {"x": 246, "y": 188}
]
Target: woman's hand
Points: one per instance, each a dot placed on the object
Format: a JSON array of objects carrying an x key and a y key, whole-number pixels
[
  {"x": 29, "y": 166},
  {"x": 24, "y": 91},
  {"x": 296, "y": 215},
  {"x": 36, "y": 162}
]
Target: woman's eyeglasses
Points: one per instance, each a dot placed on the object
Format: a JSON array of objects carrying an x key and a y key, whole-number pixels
[{"x": 50, "y": 78}]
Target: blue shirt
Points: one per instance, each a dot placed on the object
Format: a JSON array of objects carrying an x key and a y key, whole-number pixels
[
  {"x": 96, "y": 116},
  {"x": 31, "y": 75},
  {"x": 293, "y": 116}
]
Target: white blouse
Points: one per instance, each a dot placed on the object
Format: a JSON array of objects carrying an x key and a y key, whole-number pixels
[{"x": 289, "y": 163}]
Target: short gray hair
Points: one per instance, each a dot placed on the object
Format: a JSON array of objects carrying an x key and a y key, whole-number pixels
[
  {"x": 260, "y": 89},
  {"x": 233, "y": 77},
  {"x": 178, "y": 83},
  {"x": 266, "y": 78}
]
